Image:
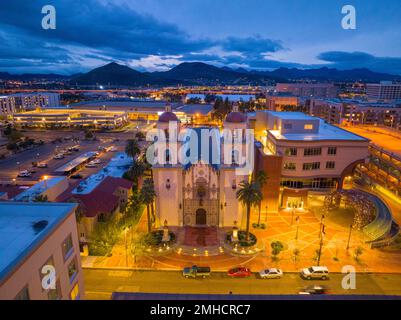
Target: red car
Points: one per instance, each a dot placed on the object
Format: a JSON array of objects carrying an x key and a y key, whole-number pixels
[{"x": 240, "y": 272}]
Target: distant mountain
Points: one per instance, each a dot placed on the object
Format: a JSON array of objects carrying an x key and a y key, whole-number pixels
[
  {"x": 33, "y": 76},
  {"x": 198, "y": 73},
  {"x": 202, "y": 73},
  {"x": 331, "y": 74}
]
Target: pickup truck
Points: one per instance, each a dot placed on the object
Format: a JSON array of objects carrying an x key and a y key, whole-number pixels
[{"x": 196, "y": 272}]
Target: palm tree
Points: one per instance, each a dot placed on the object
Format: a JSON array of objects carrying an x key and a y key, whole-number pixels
[
  {"x": 132, "y": 148},
  {"x": 41, "y": 198},
  {"x": 148, "y": 196},
  {"x": 136, "y": 171},
  {"x": 249, "y": 194},
  {"x": 261, "y": 179}
]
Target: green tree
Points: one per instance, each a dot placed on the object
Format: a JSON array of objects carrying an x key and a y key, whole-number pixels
[
  {"x": 136, "y": 171},
  {"x": 89, "y": 135},
  {"x": 104, "y": 236},
  {"x": 277, "y": 247},
  {"x": 296, "y": 252},
  {"x": 41, "y": 198},
  {"x": 249, "y": 194},
  {"x": 132, "y": 148},
  {"x": 148, "y": 196},
  {"x": 357, "y": 253}
]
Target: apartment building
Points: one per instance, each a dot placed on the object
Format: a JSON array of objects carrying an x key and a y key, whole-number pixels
[
  {"x": 301, "y": 153},
  {"x": 39, "y": 252},
  {"x": 385, "y": 90},
  {"x": 21, "y": 102},
  {"x": 338, "y": 111}
]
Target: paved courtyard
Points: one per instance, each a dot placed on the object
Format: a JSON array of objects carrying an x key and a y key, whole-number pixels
[{"x": 281, "y": 226}]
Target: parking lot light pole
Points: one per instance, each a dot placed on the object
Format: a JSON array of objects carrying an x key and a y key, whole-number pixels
[{"x": 349, "y": 236}]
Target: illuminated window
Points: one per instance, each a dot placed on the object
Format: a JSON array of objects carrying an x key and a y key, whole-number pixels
[
  {"x": 330, "y": 165},
  {"x": 290, "y": 166},
  {"x": 68, "y": 247},
  {"x": 74, "y": 295},
  {"x": 308, "y": 126}
]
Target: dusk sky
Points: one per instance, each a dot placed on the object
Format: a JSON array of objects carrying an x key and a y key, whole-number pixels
[{"x": 159, "y": 34}]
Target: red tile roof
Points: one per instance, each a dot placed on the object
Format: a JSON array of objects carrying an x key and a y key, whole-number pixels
[{"x": 102, "y": 199}]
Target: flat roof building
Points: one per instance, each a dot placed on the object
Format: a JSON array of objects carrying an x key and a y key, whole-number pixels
[
  {"x": 385, "y": 90},
  {"x": 39, "y": 252},
  {"x": 301, "y": 153},
  {"x": 318, "y": 90}
]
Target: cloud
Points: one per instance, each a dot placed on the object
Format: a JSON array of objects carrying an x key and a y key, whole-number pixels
[{"x": 351, "y": 60}]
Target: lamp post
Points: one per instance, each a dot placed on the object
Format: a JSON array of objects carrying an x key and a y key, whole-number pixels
[
  {"x": 349, "y": 236},
  {"x": 320, "y": 246},
  {"x": 321, "y": 226},
  {"x": 297, "y": 220},
  {"x": 126, "y": 246},
  {"x": 266, "y": 214}
]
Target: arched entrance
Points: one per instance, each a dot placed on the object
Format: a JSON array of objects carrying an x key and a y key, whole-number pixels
[{"x": 200, "y": 216}]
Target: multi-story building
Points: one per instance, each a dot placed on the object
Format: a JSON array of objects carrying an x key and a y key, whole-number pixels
[
  {"x": 21, "y": 102},
  {"x": 300, "y": 153},
  {"x": 338, "y": 111},
  {"x": 318, "y": 90},
  {"x": 385, "y": 90},
  {"x": 282, "y": 102},
  {"x": 39, "y": 252}
]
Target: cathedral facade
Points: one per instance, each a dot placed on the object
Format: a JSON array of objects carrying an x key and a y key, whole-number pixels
[{"x": 202, "y": 192}]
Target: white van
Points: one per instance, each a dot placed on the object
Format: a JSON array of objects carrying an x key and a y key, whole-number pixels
[{"x": 315, "y": 272}]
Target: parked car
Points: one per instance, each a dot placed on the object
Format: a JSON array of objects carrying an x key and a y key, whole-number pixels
[
  {"x": 271, "y": 273},
  {"x": 196, "y": 272},
  {"x": 24, "y": 174},
  {"x": 313, "y": 289},
  {"x": 96, "y": 161},
  {"x": 240, "y": 272},
  {"x": 33, "y": 170},
  {"x": 91, "y": 165},
  {"x": 58, "y": 156},
  {"x": 113, "y": 149},
  {"x": 315, "y": 272},
  {"x": 76, "y": 176},
  {"x": 42, "y": 165},
  {"x": 75, "y": 148}
]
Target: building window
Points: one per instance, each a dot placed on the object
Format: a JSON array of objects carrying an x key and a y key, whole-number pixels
[
  {"x": 23, "y": 294},
  {"x": 291, "y": 152},
  {"x": 72, "y": 270},
  {"x": 311, "y": 166},
  {"x": 330, "y": 165},
  {"x": 74, "y": 294},
  {"x": 287, "y": 125},
  {"x": 68, "y": 247},
  {"x": 54, "y": 294},
  {"x": 308, "y": 126},
  {"x": 312, "y": 151},
  {"x": 332, "y": 151},
  {"x": 290, "y": 166}
]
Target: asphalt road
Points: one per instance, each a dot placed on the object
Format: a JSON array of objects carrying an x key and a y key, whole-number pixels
[{"x": 99, "y": 284}]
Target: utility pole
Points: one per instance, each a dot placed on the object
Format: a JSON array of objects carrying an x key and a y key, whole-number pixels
[
  {"x": 321, "y": 245},
  {"x": 349, "y": 236}
]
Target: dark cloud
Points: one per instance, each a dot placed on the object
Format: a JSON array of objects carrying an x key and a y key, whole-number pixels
[{"x": 92, "y": 32}]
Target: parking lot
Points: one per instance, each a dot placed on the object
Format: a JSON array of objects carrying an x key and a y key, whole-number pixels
[{"x": 11, "y": 166}]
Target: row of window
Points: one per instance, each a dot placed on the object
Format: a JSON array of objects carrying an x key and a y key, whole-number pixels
[
  {"x": 54, "y": 291},
  {"x": 317, "y": 183},
  {"x": 290, "y": 166},
  {"x": 292, "y": 152}
]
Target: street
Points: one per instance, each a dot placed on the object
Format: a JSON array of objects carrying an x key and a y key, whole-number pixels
[{"x": 99, "y": 284}]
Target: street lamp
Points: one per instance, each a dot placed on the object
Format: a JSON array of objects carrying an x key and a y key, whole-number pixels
[
  {"x": 297, "y": 220},
  {"x": 349, "y": 236},
  {"x": 321, "y": 245},
  {"x": 45, "y": 181}
]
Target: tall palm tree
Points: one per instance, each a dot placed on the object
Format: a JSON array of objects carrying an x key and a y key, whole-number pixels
[
  {"x": 148, "y": 196},
  {"x": 261, "y": 179},
  {"x": 249, "y": 194},
  {"x": 132, "y": 148},
  {"x": 136, "y": 171}
]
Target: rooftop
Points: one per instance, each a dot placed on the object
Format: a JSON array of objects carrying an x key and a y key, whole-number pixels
[
  {"x": 37, "y": 189},
  {"x": 291, "y": 115},
  {"x": 75, "y": 162},
  {"x": 18, "y": 237},
  {"x": 203, "y": 109}
]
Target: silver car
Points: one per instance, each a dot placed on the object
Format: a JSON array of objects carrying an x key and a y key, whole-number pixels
[{"x": 271, "y": 273}]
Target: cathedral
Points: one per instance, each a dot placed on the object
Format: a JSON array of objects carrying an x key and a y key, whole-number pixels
[{"x": 201, "y": 192}]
